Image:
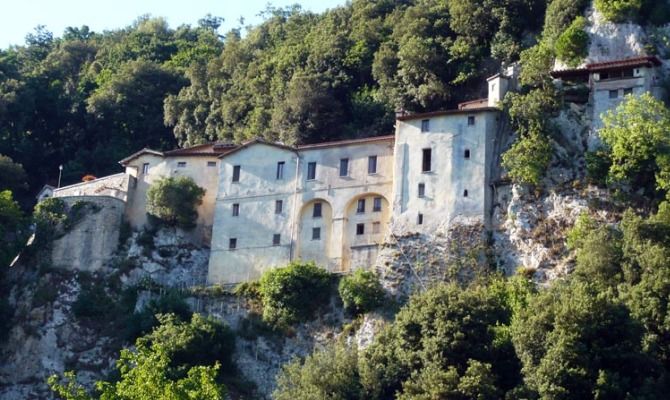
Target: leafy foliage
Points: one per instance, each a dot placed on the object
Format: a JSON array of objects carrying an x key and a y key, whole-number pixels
[
  {"x": 48, "y": 214},
  {"x": 174, "y": 201},
  {"x": 528, "y": 159},
  {"x": 361, "y": 292},
  {"x": 13, "y": 228},
  {"x": 572, "y": 45},
  {"x": 284, "y": 290},
  {"x": 619, "y": 10}
]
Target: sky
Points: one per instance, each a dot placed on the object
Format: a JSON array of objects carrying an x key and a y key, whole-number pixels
[{"x": 22, "y": 16}]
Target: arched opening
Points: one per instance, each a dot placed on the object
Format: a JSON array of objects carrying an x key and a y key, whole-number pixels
[
  {"x": 366, "y": 222},
  {"x": 315, "y": 232}
]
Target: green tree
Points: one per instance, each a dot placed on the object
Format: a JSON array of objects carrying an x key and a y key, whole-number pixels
[
  {"x": 361, "y": 292},
  {"x": 637, "y": 134},
  {"x": 12, "y": 229},
  {"x": 284, "y": 290},
  {"x": 572, "y": 45},
  {"x": 12, "y": 175},
  {"x": 619, "y": 10},
  {"x": 174, "y": 201},
  {"x": 528, "y": 159}
]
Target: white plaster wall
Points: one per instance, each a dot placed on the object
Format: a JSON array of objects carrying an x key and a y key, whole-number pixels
[
  {"x": 258, "y": 189},
  {"x": 451, "y": 173},
  {"x": 196, "y": 168}
]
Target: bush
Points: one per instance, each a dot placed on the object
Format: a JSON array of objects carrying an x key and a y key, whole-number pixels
[
  {"x": 528, "y": 159},
  {"x": 48, "y": 214},
  {"x": 361, "y": 292},
  {"x": 619, "y": 10},
  {"x": 573, "y": 44},
  {"x": 174, "y": 201},
  {"x": 172, "y": 302},
  {"x": 598, "y": 163},
  {"x": 560, "y": 14},
  {"x": 293, "y": 293},
  {"x": 93, "y": 301}
]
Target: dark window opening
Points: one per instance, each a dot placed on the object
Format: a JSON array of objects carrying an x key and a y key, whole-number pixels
[
  {"x": 419, "y": 219},
  {"x": 181, "y": 164},
  {"x": 236, "y": 173},
  {"x": 276, "y": 239},
  {"x": 279, "y": 206},
  {"x": 360, "y": 207},
  {"x": 344, "y": 167},
  {"x": 471, "y": 120},
  {"x": 465, "y": 193},
  {"x": 422, "y": 190},
  {"x": 311, "y": 170},
  {"x": 377, "y": 204},
  {"x": 426, "y": 162},
  {"x": 145, "y": 168},
  {"x": 316, "y": 233},
  {"x": 232, "y": 243},
  {"x": 614, "y": 94},
  {"x": 236, "y": 210},
  {"x": 360, "y": 229},
  {"x": 280, "y": 170},
  {"x": 425, "y": 125},
  {"x": 211, "y": 163},
  {"x": 466, "y": 154},
  {"x": 372, "y": 165},
  {"x": 316, "y": 211}
]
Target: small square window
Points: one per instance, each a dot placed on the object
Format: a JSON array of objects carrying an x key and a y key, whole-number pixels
[
  {"x": 232, "y": 243},
  {"x": 311, "y": 170},
  {"x": 422, "y": 190},
  {"x": 181, "y": 164},
  {"x": 360, "y": 229},
  {"x": 236, "y": 210},
  {"x": 377, "y": 204},
  {"x": 426, "y": 162},
  {"x": 316, "y": 233},
  {"x": 628, "y": 91},
  {"x": 145, "y": 168},
  {"x": 419, "y": 219},
  {"x": 466, "y": 154},
  {"x": 236, "y": 173},
  {"x": 280, "y": 170},
  {"x": 372, "y": 165},
  {"x": 316, "y": 211},
  {"x": 376, "y": 227},
  {"x": 471, "y": 120},
  {"x": 465, "y": 193},
  {"x": 360, "y": 207},
  {"x": 344, "y": 167},
  {"x": 614, "y": 94},
  {"x": 279, "y": 206},
  {"x": 211, "y": 163},
  {"x": 425, "y": 125},
  {"x": 276, "y": 239}
]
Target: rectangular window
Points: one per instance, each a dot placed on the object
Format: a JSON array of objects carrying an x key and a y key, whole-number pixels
[
  {"x": 211, "y": 163},
  {"x": 377, "y": 204},
  {"x": 279, "y": 206},
  {"x": 276, "y": 239},
  {"x": 145, "y": 168},
  {"x": 471, "y": 120},
  {"x": 628, "y": 91},
  {"x": 466, "y": 154},
  {"x": 628, "y": 73},
  {"x": 372, "y": 165},
  {"x": 419, "y": 219},
  {"x": 425, "y": 125},
  {"x": 232, "y": 243},
  {"x": 426, "y": 162},
  {"x": 181, "y": 164},
  {"x": 280, "y": 170},
  {"x": 376, "y": 227},
  {"x": 316, "y": 212},
  {"x": 360, "y": 229},
  {"x": 236, "y": 210},
  {"x": 614, "y": 94},
  {"x": 465, "y": 193},
  {"x": 236, "y": 173},
  {"x": 344, "y": 167},
  {"x": 422, "y": 190},
  {"x": 360, "y": 208},
  {"x": 311, "y": 170},
  {"x": 316, "y": 233}
]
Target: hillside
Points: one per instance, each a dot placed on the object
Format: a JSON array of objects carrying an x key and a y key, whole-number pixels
[{"x": 560, "y": 292}]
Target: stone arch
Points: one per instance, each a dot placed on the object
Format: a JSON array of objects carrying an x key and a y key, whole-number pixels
[
  {"x": 309, "y": 248},
  {"x": 359, "y": 250}
]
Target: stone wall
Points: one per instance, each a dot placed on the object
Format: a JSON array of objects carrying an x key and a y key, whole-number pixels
[
  {"x": 94, "y": 238},
  {"x": 113, "y": 186}
]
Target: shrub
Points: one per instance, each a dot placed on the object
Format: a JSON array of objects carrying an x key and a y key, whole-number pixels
[
  {"x": 598, "y": 163},
  {"x": 560, "y": 14},
  {"x": 174, "y": 201},
  {"x": 572, "y": 45},
  {"x": 172, "y": 302},
  {"x": 619, "y": 10},
  {"x": 293, "y": 293},
  {"x": 528, "y": 159},
  {"x": 93, "y": 301},
  {"x": 48, "y": 214},
  {"x": 361, "y": 292}
]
